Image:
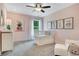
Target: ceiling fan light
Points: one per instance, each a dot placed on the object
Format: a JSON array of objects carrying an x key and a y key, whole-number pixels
[{"x": 38, "y": 9}]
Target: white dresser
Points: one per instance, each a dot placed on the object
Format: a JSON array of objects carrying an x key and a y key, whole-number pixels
[{"x": 6, "y": 41}]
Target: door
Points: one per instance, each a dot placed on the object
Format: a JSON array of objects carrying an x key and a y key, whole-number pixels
[{"x": 36, "y": 27}]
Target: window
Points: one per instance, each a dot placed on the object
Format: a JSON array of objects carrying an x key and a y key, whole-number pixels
[{"x": 36, "y": 25}]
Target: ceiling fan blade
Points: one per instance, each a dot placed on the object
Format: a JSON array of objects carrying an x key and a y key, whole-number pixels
[
  {"x": 46, "y": 7},
  {"x": 42, "y": 11},
  {"x": 30, "y": 6}
]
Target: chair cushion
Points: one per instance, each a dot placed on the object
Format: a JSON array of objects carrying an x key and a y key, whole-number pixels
[
  {"x": 68, "y": 42},
  {"x": 60, "y": 49},
  {"x": 60, "y": 46}
]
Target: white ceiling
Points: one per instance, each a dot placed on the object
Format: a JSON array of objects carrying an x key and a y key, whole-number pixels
[{"x": 21, "y": 8}]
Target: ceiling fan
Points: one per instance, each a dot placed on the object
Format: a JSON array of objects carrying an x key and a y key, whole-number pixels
[{"x": 39, "y": 7}]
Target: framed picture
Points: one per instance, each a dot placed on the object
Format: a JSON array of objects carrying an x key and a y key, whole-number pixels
[
  {"x": 19, "y": 26},
  {"x": 59, "y": 24},
  {"x": 49, "y": 24},
  {"x": 54, "y": 24},
  {"x": 68, "y": 23}
]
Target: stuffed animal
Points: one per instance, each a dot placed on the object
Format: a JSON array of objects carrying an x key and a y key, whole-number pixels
[{"x": 74, "y": 48}]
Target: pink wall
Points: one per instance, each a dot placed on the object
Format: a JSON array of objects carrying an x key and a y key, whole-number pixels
[
  {"x": 26, "y": 19},
  {"x": 72, "y": 11}
]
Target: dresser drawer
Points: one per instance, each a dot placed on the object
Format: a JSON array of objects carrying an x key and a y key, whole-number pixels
[{"x": 7, "y": 41}]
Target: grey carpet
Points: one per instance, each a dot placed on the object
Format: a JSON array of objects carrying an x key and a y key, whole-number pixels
[{"x": 30, "y": 49}]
